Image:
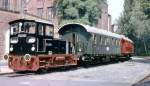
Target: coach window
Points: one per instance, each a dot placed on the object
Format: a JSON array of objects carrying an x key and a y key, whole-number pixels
[
  {"x": 40, "y": 29},
  {"x": 116, "y": 42},
  {"x": 105, "y": 40},
  {"x": 100, "y": 38},
  {"x": 108, "y": 41},
  {"x": 49, "y": 31},
  {"x": 95, "y": 40},
  {"x": 112, "y": 41}
]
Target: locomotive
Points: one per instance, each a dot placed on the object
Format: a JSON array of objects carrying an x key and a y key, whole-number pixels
[{"x": 34, "y": 48}]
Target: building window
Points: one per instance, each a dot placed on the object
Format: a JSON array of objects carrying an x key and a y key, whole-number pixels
[
  {"x": 50, "y": 13},
  {"x": 40, "y": 12},
  {"x": 6, "y": 4},
  {"x": 39, "y": 0},
  {"x": 25, "y": 11}
]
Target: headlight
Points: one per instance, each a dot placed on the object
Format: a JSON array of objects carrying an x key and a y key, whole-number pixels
[
  {"x": 11, "y": 48},
  {"x": 14, "y": 40},
  {"x": 30, "y": 39},
  {"x": 27, "y": 57},
  {"x": 50, "y": 52},
  {"x": 33, "y": 48}
]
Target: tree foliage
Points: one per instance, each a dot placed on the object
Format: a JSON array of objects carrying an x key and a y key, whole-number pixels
[
  {"x": 135, "y": 22},
  {"x": 80, "y": 11}
]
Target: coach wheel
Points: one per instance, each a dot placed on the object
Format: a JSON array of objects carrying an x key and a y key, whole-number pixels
[
  {"x": 129, "y": 57},
  {"x": 42, "y": 71}
]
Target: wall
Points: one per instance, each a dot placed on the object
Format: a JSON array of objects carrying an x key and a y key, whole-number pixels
[{"x": 6, "y": 17}]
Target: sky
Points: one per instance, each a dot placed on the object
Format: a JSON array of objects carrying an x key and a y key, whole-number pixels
[{"x": 115, "y": 8}]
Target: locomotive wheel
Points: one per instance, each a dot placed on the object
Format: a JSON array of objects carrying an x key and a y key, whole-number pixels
[{"x": 41, "y": 71}]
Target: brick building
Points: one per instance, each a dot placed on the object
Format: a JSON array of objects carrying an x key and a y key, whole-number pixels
[
  {"x": 40, "y": 9},
  {"x": 15, "y": 9},
  {"x": 104, "y": 21}
]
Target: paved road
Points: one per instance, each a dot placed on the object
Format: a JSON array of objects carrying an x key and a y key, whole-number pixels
[
  {"x": 3, "y": 64},
  {"x": 144, "y": 82},
  {"x": 119, "y": 74},
  {"x": 24, "y": 81}
]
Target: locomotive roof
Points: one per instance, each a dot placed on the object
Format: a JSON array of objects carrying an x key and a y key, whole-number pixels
[
  {"x": 31, "y": 20},
  {"x": 95, "y": 30}
]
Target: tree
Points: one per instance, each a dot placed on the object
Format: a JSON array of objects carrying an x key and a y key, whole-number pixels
[
  {"x": 79, "y": 11},
  {"x": 134, "y": 23}
]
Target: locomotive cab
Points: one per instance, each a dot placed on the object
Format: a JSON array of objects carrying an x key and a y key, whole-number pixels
[
  {"x": 27, "y": 36},
  {"x": 27, "y": 41}
]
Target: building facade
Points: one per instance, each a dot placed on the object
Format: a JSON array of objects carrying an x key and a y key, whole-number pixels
[
  {"x": 14, "y": 9},
  {"x": 42, "y": 9},
  {"x": 104, "y": 21}
]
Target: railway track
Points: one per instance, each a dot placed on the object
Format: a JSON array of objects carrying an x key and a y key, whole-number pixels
[
  {"x": 61, "y": 69},
  {"x": 14, "y": 74},
  {"x": 142, "y": 81}
]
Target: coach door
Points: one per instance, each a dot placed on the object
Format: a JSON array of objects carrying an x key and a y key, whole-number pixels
[{"x": 75, "y": 42}]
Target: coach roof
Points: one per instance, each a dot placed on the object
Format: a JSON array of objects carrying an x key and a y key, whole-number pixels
[{"x": 91, "y": 30}]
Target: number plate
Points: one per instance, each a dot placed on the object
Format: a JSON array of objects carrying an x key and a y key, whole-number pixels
[{"x": 22, "y": 35}]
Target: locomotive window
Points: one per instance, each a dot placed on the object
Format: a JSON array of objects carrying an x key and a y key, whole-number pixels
[
  {"x": 14, "y": 29},
  {"x": 40, "y": 29},
  {"x": 49, "y": 31},
  {"x": 29, "y": 27}
]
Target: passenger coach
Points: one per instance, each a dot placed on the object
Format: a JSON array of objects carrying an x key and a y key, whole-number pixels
[{"x": 97, "y": 45}]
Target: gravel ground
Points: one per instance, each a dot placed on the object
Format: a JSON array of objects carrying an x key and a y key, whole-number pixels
[{"x": 124, "y": 74}]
